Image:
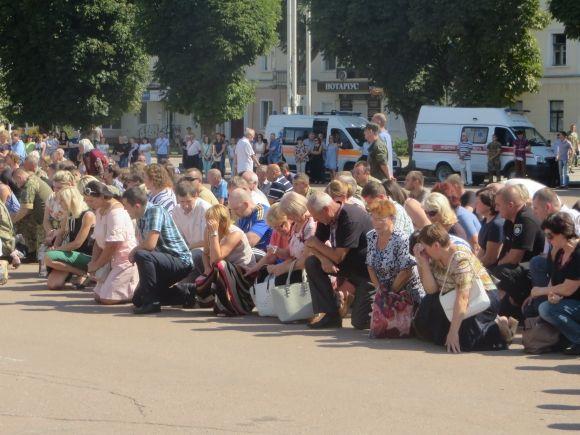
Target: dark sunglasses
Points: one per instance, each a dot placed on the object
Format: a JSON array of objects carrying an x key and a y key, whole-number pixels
[
  {"x": 90, "y": 192},
  {"x": 431, "y": 213}
]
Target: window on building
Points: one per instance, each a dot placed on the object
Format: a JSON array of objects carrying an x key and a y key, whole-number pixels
[
  {"x": 556, "y": 115},
  {"x": 266, "y": 108},
  {"x": 143, "y": 114},
  {"x": 329, "y": 63},
  {"x": 265, "y": 63},
  {"x": 559, "y": 49}
]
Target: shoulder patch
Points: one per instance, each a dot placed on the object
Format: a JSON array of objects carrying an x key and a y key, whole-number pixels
[{"x": 518, "y": 229}]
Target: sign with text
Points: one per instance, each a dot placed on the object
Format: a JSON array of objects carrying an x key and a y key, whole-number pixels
[{"x": 343, "y": 86}]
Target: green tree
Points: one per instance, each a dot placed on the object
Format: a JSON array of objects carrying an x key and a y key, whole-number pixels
[
  {"x": 203, "y": 47},
  {"x": 567, "y": 12},
  {"x": 71, "y": 62},
  {"x": 471, "y": 52}
]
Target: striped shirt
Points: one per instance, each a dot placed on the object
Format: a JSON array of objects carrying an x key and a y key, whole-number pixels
[
  {"x": 165, "y": 198},
  {"x": 170, "y": 241},
  {"x": 465, "y": 149},
  {"x": 279, "y": 188}
]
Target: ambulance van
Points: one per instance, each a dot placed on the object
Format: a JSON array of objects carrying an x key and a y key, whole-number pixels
[
  {"x": 348, "y": 126},
  {"x": 439, "y": 130}
]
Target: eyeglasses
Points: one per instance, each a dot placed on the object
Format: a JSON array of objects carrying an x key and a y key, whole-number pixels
[
  {"x": 90, "y": 192},
  {"x": 431, "y": 213}
]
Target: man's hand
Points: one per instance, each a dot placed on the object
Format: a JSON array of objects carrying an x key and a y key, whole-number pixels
[
  {"x": 328, "y": 266},
  {"x": 312, "y": 242},
  {"x": 553, "y": 298}
]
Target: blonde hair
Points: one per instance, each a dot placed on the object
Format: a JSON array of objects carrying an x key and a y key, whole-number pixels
[
  {"x": 85, "y": 179},
  {"x": 72, "y": 200},
  {"x": 275, "y": 216},
  {"x": 438, "y": 202},
  {"x": 350, "y": 182},
  {"x": 383, "y": 208},
  {"x": 64, "y": 177},
  {"x": 337, "y": 188},
  {"x": 221, "y": 214},
  {"x": 294, "y": 204}
]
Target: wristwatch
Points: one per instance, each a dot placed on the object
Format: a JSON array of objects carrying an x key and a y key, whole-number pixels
[{"x": 214, "y": 234}]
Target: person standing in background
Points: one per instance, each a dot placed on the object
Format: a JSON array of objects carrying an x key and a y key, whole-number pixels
[
  {"x": 245, "y": 157},
  {"x": 493, "y": 159},
  {"x": 564, "y": 152},
  {"x": 381, "y": 120},
  {"x": 162, "y": 148},
  {"x": 464, "y": 149},
  {"x": 573, "y": 137},
  {"x": 521, "y": 147}
]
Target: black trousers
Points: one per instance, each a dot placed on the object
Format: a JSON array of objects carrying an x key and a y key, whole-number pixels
[
  {"x": 324, "y": 298},
  {"x": 514, "y": 280},
  {"x": 158, "y": 272}
]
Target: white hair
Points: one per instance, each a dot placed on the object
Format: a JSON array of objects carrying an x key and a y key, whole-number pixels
[
  {"x": 87, "y": 145},
  {"x": 318, "y": 200},
  {"x": 250, "y": 177},
  {"x": 33, "y": 157},
  {"x": 249, "y": 132}
]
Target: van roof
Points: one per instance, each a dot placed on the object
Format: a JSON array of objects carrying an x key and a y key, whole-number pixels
[
  {"x": 472, "y": 116},
  {"x": 347, "y": 121}
]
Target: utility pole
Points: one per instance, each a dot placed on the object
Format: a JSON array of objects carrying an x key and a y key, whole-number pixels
[
  {"x": 289, "y": 56},
  {"x": 294, "y": 57},
  {"x": 308, "y": 66}
]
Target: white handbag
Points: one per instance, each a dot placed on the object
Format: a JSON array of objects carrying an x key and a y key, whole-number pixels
[
  {"x": 261, "y": 293},
  {"x": 478, "y": 298},
  {"x": 293, "y": 302}
]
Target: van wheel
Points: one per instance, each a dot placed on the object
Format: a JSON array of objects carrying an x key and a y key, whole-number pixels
[{"x": 443, "y": 171}]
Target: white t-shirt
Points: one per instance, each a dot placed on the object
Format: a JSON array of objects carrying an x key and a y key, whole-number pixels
[
  {"x": 244, "y": 153},
  {"x": 191, "y": 225},
  {"x": 259, "y": 198},
  {"x": 386, "y": 138},
  {"x": 193, "y": 148}
]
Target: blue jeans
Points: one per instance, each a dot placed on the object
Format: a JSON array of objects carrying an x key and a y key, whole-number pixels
[
  {"x": 539, "y": 272},
  {"x": 563, "y": 170},
  {"x": 565, "y": 316}
]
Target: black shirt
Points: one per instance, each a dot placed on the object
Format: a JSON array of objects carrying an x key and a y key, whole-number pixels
[
  {"x": 570, "y": 270},
  {"x": 524, "y": 233},
  {"x": 491, "y": 231},
  {"x": 351, "y": 228}
]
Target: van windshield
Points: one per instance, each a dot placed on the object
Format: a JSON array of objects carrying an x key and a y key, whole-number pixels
[
  {"x": 532, "y": 135},
  {"x": 358, "y": 135}
]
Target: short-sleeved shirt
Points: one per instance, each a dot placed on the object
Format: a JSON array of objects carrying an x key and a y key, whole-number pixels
[
  {"x": 244, "y": 152},
  {"x": 34, "y": 195},
  {"x": 166, "y": 199},
  {"x": 207, "y": 196},
  {"x": 349, "y": 231},
  {"x": 162, "y": 146},
  {"x": 221, "y": 190},
  {"x": 256, "y": 223},
  {"x": 275, "y": 151},
  {"x": 465, "y": 149},
  {"x": 524, "y": 233},
  {"x": 386, "y": 138},
  {"x": 157, "y": 218},
  {"x": 378, "y": 155},
  {"x": 279, "y": 188},
  {"x": 520, "y": 146},
  {"x": 570, "y": 270},
  {"x": 191, "y": 225},
  {"x": 20, "y": 149},
  {"x": 403, "y": 222},
  {"x": 564, "y": 148},
  {"x": 461, "y": 271},
  {"x": 468, "y": 221},
  {"x": 491, "y": 231}
]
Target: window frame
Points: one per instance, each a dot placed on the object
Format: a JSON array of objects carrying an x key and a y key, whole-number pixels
[
  {"x": 559, "y": 116},
  {"x": 559, "y": 50}
]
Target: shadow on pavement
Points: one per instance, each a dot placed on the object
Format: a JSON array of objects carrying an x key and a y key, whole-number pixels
[{"x": 568, "y": 369}]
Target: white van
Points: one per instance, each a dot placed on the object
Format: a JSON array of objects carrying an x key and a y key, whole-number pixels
[
  {"x": 348, "y": 126},
  {"x": 439, "y": 130}
]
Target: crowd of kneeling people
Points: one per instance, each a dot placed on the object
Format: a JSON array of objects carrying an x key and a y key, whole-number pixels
[{"x": 382, "y": 254}]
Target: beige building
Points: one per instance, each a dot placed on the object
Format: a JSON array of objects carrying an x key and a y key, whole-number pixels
[{"x": 557, "y": 104}]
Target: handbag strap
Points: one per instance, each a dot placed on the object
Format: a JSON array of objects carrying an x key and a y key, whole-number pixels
[{"x": 290, "y": 273}]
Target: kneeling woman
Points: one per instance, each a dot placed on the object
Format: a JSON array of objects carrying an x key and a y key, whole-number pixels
[
  {"x": 73, "y": 244},
  {"x": 227, "y": 257},
  {"x": 114, "y": 235},
  {"x": 445, "y": 267}
]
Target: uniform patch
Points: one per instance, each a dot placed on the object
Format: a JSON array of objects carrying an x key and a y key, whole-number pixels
[{"x": 518, "y": 228}]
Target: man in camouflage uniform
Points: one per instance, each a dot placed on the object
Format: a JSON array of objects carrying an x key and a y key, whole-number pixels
[
  {"x": 33, "y": 196},
  {"x": 493, "y": 159}
]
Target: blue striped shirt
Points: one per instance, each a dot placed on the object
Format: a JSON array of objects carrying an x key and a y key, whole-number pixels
[{"x": 465, "y": 149}]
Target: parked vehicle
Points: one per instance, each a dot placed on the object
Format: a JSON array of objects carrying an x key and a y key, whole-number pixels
[
  {"x": 439, "y": 130},
  {"x": 348, "y": 126}
]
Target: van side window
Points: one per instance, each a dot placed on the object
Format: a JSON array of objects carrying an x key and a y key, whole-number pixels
[
  {"x": 476, "y": 135},
  {"x": 291, "y": 135},
  {"x": 503, "y": 136},
  {"x": 340, "y": 137}
]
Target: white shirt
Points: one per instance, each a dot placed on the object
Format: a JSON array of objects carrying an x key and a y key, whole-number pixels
[
  {"x": 259, "y": 198},
  {"x": 244, "y": 153},
  {"x": 386, "y": 138},
  {"x": 191, "y": 225},
  {"x": 193, "y": 148}
]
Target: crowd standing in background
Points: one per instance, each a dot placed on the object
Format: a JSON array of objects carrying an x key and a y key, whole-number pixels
[{"x": 458, "y": 268}]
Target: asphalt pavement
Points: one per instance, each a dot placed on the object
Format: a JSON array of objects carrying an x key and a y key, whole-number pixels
[{"x": 68, "y": 365}]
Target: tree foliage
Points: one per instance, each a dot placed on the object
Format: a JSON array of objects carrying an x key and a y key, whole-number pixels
[
  {"x": 71, "y": 62},
  {"x": 567, "y": 12},
  {"x": 203, "y": 46},
  {"x": 475, "y": 52}
]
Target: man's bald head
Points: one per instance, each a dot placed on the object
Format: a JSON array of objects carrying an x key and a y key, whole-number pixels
[
  {"x": 274, "y": 172},
  {"x": 240, "y": 202},
  {"x": 512, "y": 194}
]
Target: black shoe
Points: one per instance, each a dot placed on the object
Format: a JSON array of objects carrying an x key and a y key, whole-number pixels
[
  {"x": 155, "y": 307},
  {"x": 573, "y": 350},
  {"x": 327, "y": 322}
]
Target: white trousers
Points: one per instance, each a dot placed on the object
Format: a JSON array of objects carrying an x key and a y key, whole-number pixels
[{"x": 466, "y": 175}]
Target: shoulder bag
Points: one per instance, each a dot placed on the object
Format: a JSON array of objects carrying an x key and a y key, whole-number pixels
[
  {"x": 478, "y": 298},
  {"x": 293, "y": 302},
  {"x": 261, "y": 293}
]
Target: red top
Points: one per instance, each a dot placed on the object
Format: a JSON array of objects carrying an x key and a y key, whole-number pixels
[{"x": 90, "y": 161}]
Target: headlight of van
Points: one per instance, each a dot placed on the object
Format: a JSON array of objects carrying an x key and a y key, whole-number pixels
[{"x": 540, "y": 159}]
